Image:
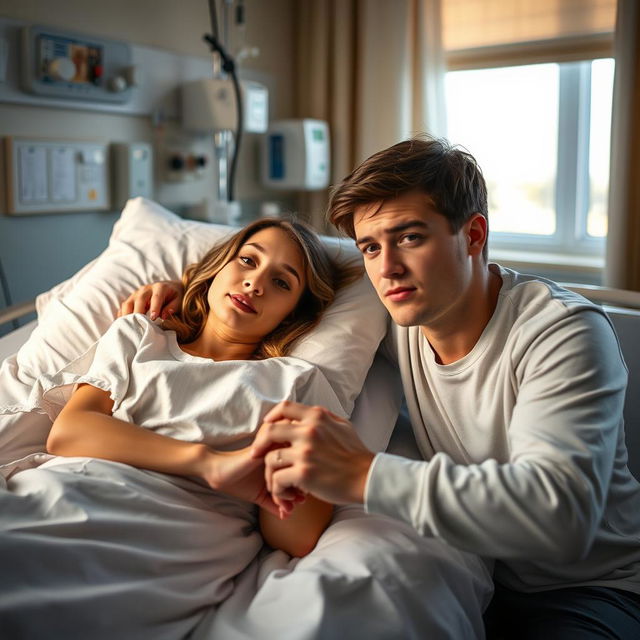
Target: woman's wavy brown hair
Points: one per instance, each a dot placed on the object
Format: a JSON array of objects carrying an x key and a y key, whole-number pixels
[{"x": 323, "y": 279}]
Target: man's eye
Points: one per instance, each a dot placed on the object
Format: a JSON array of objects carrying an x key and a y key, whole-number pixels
[
  {"x": 411, "y": 237},
  {"x": 247, "y": 260},
  {"x": 370, "y": 248}
]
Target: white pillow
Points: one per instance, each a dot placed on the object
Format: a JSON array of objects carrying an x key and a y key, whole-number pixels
[{"x": 150, "y": 243}]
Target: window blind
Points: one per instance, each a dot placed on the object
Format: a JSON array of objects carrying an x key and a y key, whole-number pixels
[{"x": 481, "y": 33}]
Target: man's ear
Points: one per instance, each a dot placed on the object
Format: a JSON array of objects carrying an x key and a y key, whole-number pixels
[{"x": 476, "y": 232}]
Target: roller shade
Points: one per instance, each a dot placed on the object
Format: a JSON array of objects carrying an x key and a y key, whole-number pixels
[{"x": 476, "y": 32}]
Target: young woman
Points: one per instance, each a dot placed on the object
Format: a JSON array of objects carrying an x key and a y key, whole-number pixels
[{"x": 150, "y": 444}]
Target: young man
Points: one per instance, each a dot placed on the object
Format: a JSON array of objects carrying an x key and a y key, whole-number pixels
[{"x": 515, "y": 388}]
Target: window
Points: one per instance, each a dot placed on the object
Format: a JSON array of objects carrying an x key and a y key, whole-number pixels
[
  {"x": 529, "y": 89},
  {"x": 541, "y": 135}
]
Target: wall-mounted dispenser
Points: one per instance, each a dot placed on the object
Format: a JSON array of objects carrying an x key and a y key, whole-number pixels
[
  {"x": 295, "y": 155},
  {"x": 209, "y": 104},
  {"x": 132, "y": 168}
]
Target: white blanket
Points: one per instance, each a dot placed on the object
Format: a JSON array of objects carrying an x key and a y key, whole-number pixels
[{"x": 97, "y": 549}]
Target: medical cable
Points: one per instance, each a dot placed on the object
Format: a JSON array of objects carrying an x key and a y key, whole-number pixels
[
  {"x": 214, "y": 18},
  {"x": 229, "y": 66}
]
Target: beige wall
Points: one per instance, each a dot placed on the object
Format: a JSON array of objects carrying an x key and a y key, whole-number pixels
[
  {"x": 172, "y": 25},
  {"x": 175, "y": 25}
]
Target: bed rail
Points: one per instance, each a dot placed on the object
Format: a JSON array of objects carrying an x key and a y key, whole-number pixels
[
  {"x": 604, "y": 295},
  {"x": 16, "y": 311}
]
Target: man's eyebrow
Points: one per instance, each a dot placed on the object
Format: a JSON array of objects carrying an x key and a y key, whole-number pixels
[
  {"x": 410, "y": 224},
  {"x": 285, "y": 266}
]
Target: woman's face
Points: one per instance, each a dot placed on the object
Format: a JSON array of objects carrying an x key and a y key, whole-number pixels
[{"x": 256, "y": 290}]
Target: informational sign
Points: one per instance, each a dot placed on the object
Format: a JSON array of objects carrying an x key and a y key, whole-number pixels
[{"x": 46, "y": 176}]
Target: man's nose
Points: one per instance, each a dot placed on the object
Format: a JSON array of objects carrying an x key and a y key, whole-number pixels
[{"x": 390, "y": 264}]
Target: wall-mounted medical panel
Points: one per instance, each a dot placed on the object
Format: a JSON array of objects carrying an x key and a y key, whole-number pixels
[
  {"x": 295, "y": 155},
  {"x": 153, "y": 75},
  {"x": 45, "y": 176},
  {"x": 64, "y": 64}
]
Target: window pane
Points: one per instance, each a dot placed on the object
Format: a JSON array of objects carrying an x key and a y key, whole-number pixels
[
  {"x": 599, "y": 143},
  {"x": 508, "y": 119}
]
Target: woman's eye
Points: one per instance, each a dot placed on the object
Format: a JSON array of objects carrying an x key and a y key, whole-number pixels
[
  {"x": 282, "y": 284},
  {"x": 247, "y": 260}
]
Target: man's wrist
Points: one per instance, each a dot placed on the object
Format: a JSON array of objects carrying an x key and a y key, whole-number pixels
[{"x": 363, "y": 466}]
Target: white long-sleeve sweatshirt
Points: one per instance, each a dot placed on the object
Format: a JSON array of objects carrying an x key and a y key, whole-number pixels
[{"x": 523, "y": 441}]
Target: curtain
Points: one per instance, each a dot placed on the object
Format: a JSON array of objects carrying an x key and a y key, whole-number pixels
[
  {"x": 374, "y": 70},
  {"x": 622, "y": 265}
]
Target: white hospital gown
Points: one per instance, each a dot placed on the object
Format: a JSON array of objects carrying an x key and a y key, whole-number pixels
[
  {"x": 100, "y": 549},
  {"x": 155, "y": 384}
]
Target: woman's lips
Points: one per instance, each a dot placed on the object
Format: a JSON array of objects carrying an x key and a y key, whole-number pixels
[{"x": 242, "y": 302}]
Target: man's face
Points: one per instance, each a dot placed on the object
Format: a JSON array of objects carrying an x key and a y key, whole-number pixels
[{"x": 420, "y": 269}]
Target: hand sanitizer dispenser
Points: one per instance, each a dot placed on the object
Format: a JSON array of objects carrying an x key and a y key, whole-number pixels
[{"x": 295, "y": 155}]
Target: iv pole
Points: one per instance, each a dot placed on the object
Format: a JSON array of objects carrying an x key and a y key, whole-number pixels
[{"x": 225, "y": 144}]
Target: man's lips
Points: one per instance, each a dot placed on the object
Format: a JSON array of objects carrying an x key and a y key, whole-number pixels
[
  {"x": 242, "y": 302},
  {"x": 399, "y": 293}
]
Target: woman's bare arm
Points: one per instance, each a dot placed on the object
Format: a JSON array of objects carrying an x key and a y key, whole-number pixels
[
  {"x": 85, "y": 427},
  {"x": 300, "y": 531}
]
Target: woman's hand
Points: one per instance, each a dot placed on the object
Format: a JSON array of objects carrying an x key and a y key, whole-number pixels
[
  {"x": 160, "y": 299},
  {"x": 238, "y": 474},
  {"x": 309, "y": 449}
]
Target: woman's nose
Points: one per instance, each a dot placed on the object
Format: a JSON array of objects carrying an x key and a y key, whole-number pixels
[{"x": 253, "y": 285}]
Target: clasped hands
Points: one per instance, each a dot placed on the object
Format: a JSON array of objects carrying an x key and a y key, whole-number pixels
[
  {"x": 298, "y": 450},
  {"x": 310, "y": 450}
]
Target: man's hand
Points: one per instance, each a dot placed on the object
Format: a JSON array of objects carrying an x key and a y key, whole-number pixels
[
  {"x": 160, "y": 299},
  {"x": 312, "y": 450}
]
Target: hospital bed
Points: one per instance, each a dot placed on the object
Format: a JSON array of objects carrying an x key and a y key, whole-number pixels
[{"x": 149, "y": 243}]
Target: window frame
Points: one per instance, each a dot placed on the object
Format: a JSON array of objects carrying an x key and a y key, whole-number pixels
[{"x": 574, "y": 57}]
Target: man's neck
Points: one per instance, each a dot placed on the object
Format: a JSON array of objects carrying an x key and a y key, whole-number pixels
[{"x": 456, "y": 337}]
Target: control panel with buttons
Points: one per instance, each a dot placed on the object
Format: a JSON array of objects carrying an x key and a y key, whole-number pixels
[{"x": 63, "y": 64}]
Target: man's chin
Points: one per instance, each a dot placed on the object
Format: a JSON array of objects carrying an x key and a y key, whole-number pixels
[{"x": 404, "y": 319}]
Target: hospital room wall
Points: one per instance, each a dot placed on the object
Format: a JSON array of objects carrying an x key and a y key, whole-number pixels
[{"x": 37, "y": 251}]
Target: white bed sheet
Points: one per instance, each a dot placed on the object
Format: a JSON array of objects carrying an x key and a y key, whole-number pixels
[{"x": 11, "y": 342}]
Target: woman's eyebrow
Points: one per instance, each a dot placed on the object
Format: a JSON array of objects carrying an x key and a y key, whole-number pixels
[{"x": 285, "y": 266}]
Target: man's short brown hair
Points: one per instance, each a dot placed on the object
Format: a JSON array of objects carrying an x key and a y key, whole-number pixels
[{"x": 448, "y": 175}]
